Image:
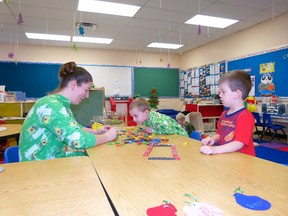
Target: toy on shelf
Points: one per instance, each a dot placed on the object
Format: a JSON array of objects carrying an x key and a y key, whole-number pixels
[{"x": 251, "y": 103}]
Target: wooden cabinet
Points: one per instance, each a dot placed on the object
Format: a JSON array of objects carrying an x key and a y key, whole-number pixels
[
  {"x": 15, "y": 112},
  {"x": 210, "y": 114}
]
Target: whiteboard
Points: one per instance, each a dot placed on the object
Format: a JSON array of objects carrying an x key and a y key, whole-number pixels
[{"x": 115, "y": 80}]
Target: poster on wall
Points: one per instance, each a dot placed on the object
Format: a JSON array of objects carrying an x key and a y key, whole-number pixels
[
  {"x": 270, "y": 71},
  {"x": 266, "y": 86}
]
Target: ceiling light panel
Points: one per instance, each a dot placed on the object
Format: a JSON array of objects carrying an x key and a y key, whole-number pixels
[
  {"x": 210, "y": 21},
  {"x": 107, "y": 8},
  {"x": 48, "y": 37},
  {"x": 165, "y": 45},
  {"x": 92, "y": 40}
]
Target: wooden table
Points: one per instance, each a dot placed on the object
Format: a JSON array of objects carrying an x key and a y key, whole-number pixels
[
  {"x": 67, "y": 186},
  {"x": 135, "y": 183},
  {"x": 13, "y": 130}
]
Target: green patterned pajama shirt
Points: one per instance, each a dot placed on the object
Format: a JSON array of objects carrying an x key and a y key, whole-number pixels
[
  {"x": 50, "y": 127},
  {"x": 163, "y": 124}
]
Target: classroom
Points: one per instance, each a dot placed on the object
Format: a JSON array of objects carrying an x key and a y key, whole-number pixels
[{"x": 129, "y": 176}]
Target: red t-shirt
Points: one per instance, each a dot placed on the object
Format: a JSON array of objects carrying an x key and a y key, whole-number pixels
[{"x": 237, "y": 126}]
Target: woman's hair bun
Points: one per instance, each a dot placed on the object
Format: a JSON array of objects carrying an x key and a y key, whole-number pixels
[{"x": 67, "y": 68}]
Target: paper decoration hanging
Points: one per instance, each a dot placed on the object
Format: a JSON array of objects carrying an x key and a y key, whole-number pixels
[
  {"x": 81, "y": 30},
  {"x": 20, "y": 19},
  {"x": 74, "y": 47},
  {"x": 11, "y": 55},
  {"x": 199, "y": 30}
]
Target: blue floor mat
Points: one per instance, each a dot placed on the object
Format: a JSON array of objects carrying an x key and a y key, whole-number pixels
[{"x": 273, "y": 155}]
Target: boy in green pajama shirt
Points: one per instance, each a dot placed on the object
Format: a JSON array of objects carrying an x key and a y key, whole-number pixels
[{"x": 155, "y": 122}]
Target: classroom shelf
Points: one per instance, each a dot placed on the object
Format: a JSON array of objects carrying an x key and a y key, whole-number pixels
[
  {"x": 15, "y": 111},
  {"x": 210, "y": 114}
]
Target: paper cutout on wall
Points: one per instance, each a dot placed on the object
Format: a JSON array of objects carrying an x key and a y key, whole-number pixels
[
  {"x": 268, "y": 67},
  {"x": 266, "y": 86}
]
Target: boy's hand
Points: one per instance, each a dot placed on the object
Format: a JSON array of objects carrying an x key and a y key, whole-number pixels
[
  {"x": 208, "y": 141},
  {"x": 206, "y": 150}
]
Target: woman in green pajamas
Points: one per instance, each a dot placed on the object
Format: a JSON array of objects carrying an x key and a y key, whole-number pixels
[
  {"x": 155, "y": 122},
  {"x": 50, "y": 125}
]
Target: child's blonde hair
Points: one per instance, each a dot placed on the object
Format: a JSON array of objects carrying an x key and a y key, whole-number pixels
[
  {"x": 180, "y": 116},
  {"x": 141, "y": 104}
]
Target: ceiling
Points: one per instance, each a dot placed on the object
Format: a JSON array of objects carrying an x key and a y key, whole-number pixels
[{"x": 156, "y": 21}]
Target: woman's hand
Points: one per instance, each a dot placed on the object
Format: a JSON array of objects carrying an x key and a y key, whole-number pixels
[{"x": 111, "y": 133}]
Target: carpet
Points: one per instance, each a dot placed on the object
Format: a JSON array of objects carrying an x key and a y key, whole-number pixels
[
  {"x": 272, "y": 154},
  {"x": 283, "y": 149}
]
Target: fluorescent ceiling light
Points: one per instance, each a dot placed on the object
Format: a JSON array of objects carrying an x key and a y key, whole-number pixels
[
  {"x": 210, "y": 21},
  {"x": 48, "y": 37},
  {"x": 165, "y": 45},
  {"x": 92, "y": 40},
  {"x": 107, "y": 8}
]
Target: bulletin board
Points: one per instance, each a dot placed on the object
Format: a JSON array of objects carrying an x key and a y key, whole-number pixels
[
  {"x": 165, "y": 80},
  {"x": 270, "y": 69},
  {"x": 36, "y": 79},
  {"x": 201, "y": 81}
]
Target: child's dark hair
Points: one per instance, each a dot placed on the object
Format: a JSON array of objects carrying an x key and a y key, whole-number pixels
[
  {"x": 237, "y": 79},
  {"x": 141, "y": 104},
  {"x": 69, "y": 71}
]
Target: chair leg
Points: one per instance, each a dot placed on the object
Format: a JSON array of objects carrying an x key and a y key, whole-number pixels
[{"x": 263, "y": 133}]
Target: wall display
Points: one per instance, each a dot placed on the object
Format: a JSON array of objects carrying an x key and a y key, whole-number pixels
[
  {"x": 201, "y": 81},
  {"x": 269, "y": 70}
]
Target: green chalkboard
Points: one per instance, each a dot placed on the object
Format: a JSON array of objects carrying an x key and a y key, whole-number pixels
[
  {"x": 165, "y": 80},
  {"x": 92, "y": 106}
]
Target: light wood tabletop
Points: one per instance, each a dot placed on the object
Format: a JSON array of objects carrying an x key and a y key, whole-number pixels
[
  {"x": 135, "y": 183},
  {"x": 11, "y": 131},
  {"x": 67, "y": 186}
]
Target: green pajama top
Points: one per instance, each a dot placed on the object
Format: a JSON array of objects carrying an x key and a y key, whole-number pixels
[
  {"x": 163, "y": 124},
  {"x": 49, "y": 127}
]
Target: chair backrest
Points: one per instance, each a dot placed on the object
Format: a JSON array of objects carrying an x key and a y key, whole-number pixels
[
  {"x": 282, "y": 109},
  {"x": 267, "y": 119},
  {"x": 11, "y": 154},
  {"x": 264, "y": 108},
  {"x": 195, "y": 118},
  {"x": 257, "y": 117},
  {"x": 196, "y": 135}
]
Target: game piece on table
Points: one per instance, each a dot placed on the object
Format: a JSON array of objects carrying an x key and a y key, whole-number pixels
[
  {"x": 201, "y": 208},
  {"x": 166, "y": 209},
  {"x": 250, "y": 202},
  {"x": 197, "y": 208}
]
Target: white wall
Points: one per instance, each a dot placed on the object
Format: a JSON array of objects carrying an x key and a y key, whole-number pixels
[{"x": 264, "y": 36}]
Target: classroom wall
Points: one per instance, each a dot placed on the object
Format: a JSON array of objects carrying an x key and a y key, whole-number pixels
[
  {"x": 271, "y": 34},
  {"x": 267, "y": 35},
  {"x": 29, "y": 53}
]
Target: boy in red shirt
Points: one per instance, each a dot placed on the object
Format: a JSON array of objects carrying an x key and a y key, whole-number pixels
[{"x": 236, "y": 124}]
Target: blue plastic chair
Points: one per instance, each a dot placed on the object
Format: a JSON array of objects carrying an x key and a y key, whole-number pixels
[
  {"x": 11, "y": 154},
  {"x": 196, "y": 135},
  {"x": 270, "y": 126},
  {"x": 258, "y": 123}
]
